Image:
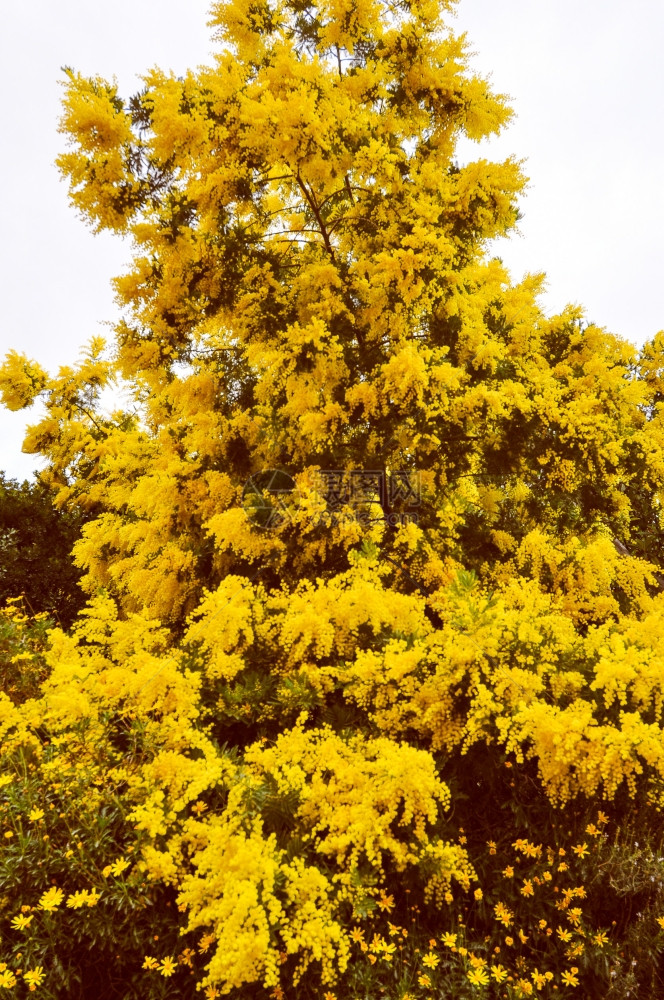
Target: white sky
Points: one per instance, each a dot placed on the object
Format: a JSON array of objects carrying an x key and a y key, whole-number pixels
[{"x": 585, "y": 79}]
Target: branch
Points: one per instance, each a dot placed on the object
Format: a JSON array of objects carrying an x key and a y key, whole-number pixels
[
  {"x": 316, "y": 212},
  {"x": 88, "y": 415},
  {"x": 349, "y": 189}
]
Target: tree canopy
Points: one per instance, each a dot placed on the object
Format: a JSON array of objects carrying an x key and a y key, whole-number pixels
[
  {"x": 36, "y": 540},
  {"x": 367, "y": 696}
]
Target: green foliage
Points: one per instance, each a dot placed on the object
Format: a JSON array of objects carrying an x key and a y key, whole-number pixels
[{"x": 36, "y": 541}]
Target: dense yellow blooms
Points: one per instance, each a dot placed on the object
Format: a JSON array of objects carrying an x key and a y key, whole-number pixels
[
  {"x": 264, "y": 730},
  {"x": 21, "y": 381}
]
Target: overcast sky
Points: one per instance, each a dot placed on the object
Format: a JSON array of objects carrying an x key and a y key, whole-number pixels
[{"x": 585, "y": 80}]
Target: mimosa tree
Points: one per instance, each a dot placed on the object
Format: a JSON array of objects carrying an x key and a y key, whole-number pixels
[{"x": 373, "y": 559}]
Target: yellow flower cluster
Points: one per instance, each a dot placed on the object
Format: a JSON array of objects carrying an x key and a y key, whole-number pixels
[{"x": 538, "y": 936}]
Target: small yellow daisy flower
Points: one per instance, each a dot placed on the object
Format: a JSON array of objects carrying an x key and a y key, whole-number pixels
[
  {"x": 168, "y": 966},
  {"x": 569, "y": 978},
  {"x": 51, "y": 899},
  {"x": 34, "y": 977}
]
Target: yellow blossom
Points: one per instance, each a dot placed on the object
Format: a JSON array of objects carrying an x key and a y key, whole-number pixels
[
  {"x": 503, "y": 914},
  {"x": 477, "y": 961},
  {"x": 168, "y": 966},
  {"x": 83, "y": 897},
  {"x": 20, "y": 922},
  {"x": 118, "y": 867},
  {"x": 499, "y": 973},
  {"x": 570, "y": 978},
  {"x": 478, "y": 977},
  {"x": 51, "y": 899},
  {"x": 205, "y": 942},
  {"x": 34, "y": 977}
]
